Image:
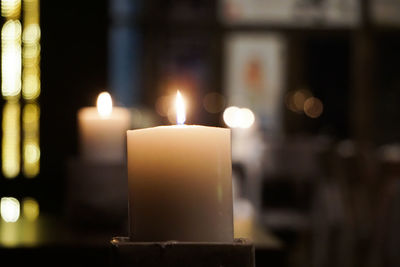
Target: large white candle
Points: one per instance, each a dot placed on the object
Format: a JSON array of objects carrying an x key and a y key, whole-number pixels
[
  {"x": 102, "y": 131},
  {"x": 180, "y": 185}
]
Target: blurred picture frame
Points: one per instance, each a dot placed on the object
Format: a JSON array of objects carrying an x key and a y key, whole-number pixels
[
  {"x": 255, "y": 75},
  {"x": 296, "y": 13},
  {"x": 385, "y": 12}
]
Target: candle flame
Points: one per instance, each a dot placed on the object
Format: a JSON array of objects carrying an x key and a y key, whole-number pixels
[
  {"x": 104, "y": 104},
  {"x": 180, "y": 109}
]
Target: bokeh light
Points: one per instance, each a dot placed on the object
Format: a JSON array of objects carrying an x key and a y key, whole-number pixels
[
  {"x": 295, "y": 100},
  {"x": 9, "y": 209},
  {"x": 30, "y": 209},
  {"x": 32, "y": 159},
  {"x": 32, "y": 153},
  {"x": 11, "y": 59},
  {"x": 246, "y": 118},
  {"x": 11, "y": 32},
  {"x": 232, "y": 116},
  {"x": 31, "y": 34},
  {"x": 31, "y": 87},
  {"x": 289, "y": 102},
  {"x": 30, "y": 82},
  {"x": 11, "y": 140},
  {"x": 31, "y": 50},
  {"x": 235, "y": 117},
  {"x": 299, "y": 98},
  {"x": 31, "y": 115},
  {"x": 11, "y": 9},
  {"x": 313, "y": 107},
  {"x": 31, "y": 148}
]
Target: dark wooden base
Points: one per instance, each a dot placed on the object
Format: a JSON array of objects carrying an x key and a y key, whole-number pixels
[{"x": 240, "y": 253}]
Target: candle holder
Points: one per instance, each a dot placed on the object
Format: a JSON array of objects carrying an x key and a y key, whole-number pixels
[{"x": 125, "y": 253}]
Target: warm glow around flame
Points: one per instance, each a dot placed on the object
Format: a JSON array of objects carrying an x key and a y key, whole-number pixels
[
  {"x": 180, "y": 109},
  {"x": 104, "y": 104}
]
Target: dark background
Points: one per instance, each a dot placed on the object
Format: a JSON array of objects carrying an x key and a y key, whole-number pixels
[
  {"x": 74, "y": 71},
  {"x": 353, "y": 71}
]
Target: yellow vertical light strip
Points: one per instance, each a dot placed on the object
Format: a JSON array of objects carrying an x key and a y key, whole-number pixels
[
  {"x": 31, "y": 50},
  {"x": 9, "y": 213},
  {"x": 31, "y": 149},
  {"x": 9, "y": 209},
  {"x": 11, "y": 35},
  {"x": 31, "y": 87},
  {"x": 11, "y": 59},
  {"x": 11, "y": 9},
  {"x": 30, "y": 209},
  {"x": 11, "y": 140}
]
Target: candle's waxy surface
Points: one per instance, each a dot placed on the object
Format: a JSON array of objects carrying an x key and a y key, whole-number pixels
[
  {"x": 102, "y": 138},
  {"x": 180, "y": 185}
]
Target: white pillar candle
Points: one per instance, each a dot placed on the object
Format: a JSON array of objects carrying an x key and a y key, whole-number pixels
[
  {"x": 102, "y": 131},
  {"x": 180, "y": 185}
]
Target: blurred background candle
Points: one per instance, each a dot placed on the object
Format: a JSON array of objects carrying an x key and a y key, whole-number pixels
[
  {"x": 180, "y": 185},
  {"x": 102, "y": 131}
]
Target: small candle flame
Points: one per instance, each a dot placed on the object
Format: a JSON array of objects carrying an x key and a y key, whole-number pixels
[
  {"x": 180, "y": 109},
  {"x": 104, "y": 104}
]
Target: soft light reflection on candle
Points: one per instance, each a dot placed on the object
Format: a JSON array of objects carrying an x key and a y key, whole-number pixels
[
  {"x": 104, "y": 104},
  {"x": 180, "y": 109}
]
